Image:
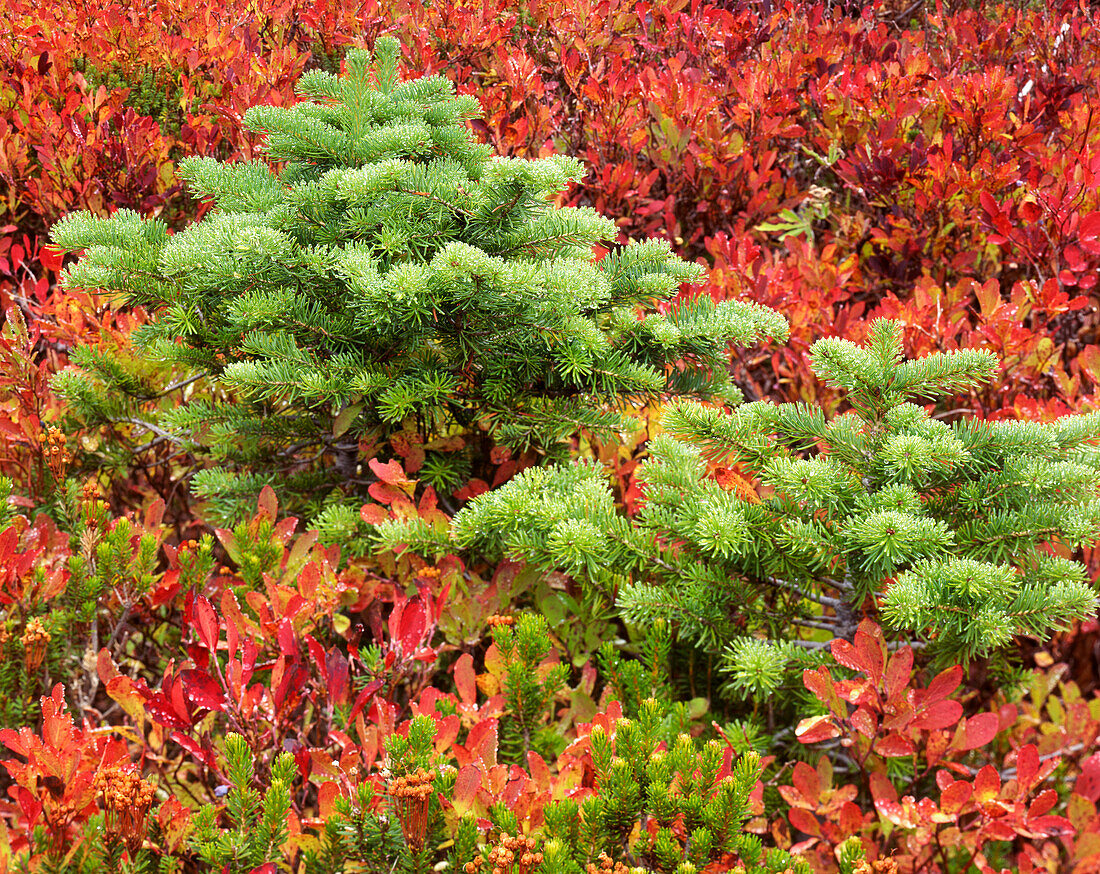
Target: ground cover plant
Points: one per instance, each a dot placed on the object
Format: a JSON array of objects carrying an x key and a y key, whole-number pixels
[{"x": 591, "y": 437}]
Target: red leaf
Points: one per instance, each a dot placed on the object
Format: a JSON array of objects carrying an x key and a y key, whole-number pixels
[
  {"x": 820, "y": 682},
  {"x": 804, "y": 821},
  {"x": 154, "y": 514},
  {"x": 864, "y": 721},
  {"x": 50, "y": 258},
  {"x": 987, "y": 785},
  {"x": 1027, "y": 766},
  {"x": 161, "y": 710},
  {"x": 389, "y": 472},
  {"x": 943, "y": 684},
  {"x": 871, "y": 646},
  {"x": 446, "y": 730},
  {"x": 940, "y": 715},
  {"x": 9, "y": 737},
  {"x": 989, "y": 297},
  {"x": 895, "y": 745},
  {"x": 978, "y": 731},
  {"x": 201, "y": 690},
  {"x": 408, "y": 625},
  {"x": 807, "y": 782},
  {"x": 326, "y": 798},
  {"x": 386, "y": 494},
  {"x": 106, "y": 668},
  {"x": 1043, "y": 802},
  {"x": 201, "y": 754},
  {"x": 482, "y": 741},
  {"x": 955, "y": 796},
  {"x": 465, "y": 679},
  {"x": 732, "y": 481},
  {"x": 881, "y": 788},
  {"x": 205, "y": 622},
  {"x": 286, "y": 638},
  {"x": 268, "y": 504},
  {"x": 990, "y": 205},
  {"x": 373, "y": 514},
  {"x": 336, "y": 672},
  {"x": 1030, "y": 212},
  {"x": 540, "y": 773},
  {"x": 369, "y": 691},
  {"x": 472, "y": 489},
  {"x": 815, "y": 729},
  {"x": 1089, "y": 228},
  {"x": 1050, "y": 826},
  {"x": 898, "y": 672},
  {"x": 229, "y": 541},
  {"x": 848, "y": 656},
  {"x": 467, "y": 783},
  {"x": 1088, "y": 783},
  {"x": 851, "y": 818}
]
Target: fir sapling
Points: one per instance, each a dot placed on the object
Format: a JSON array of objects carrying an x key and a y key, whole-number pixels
[
  {"x": 381, "y": 273},
  {"x": 776, "y": 522}
]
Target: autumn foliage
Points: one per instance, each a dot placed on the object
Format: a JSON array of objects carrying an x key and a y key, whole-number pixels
[{"x": 836, "y": 162}]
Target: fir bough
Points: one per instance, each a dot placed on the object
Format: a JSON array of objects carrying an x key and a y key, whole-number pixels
[
  {"x": 956, "y": 532},
  {"x": 381, "y": 271}
]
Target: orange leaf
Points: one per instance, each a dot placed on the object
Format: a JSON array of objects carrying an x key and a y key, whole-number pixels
[
  {"x": 392, "y": 473},
  {"x": 465, "y": 679},
  {"x": 815, "y": 729},
  {"x": 732, "y": 481}
]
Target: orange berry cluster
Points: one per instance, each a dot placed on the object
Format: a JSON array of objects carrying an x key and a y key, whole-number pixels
[
  {"x": 413, "y": 794},
  {"x": 498, "y": 620},
  {"x": 55, "y": 451},
  {"x": 35, "y": 639},
  {"x": 429, "y": 573},
  {"x": 511, "y": 855},
  {"x": 605, "y": 865},
  {"x": 879, "y": 866},
  {"x": 59, "y": 816},
  {"x": 91, "y": 501},
  {"x": 126, "y": 800},
  {"x": 415, "y": 785}
]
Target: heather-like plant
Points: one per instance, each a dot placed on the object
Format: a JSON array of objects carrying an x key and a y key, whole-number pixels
[
  {"x": 362, "y": 831},
  {"x": 661, "y": 803},
  {"x": 257, "y": 823},
  {"x": 956, "y": 532},
  {"x": 530, "y": 686},
  {"x": 381, "y": 272}
]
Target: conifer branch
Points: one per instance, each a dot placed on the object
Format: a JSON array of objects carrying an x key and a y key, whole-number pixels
[
  {"x": 427, "y": 195},
  {"x": 889, "y": 494},
  {"x": 176, "y": 386}
]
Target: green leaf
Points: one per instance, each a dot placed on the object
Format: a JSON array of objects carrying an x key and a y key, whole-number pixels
[{"x": 345, "y": 417}]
